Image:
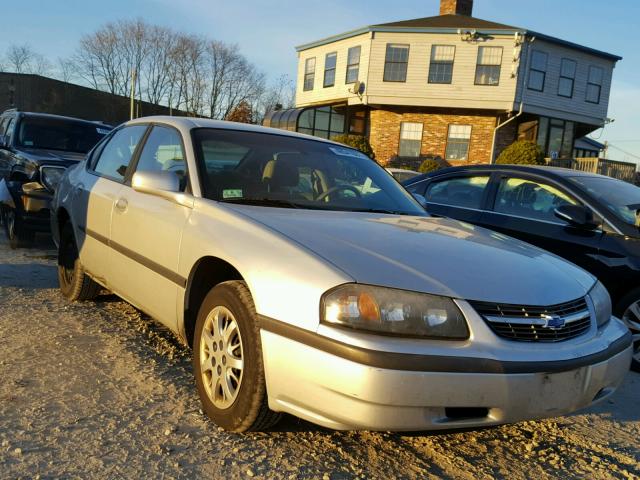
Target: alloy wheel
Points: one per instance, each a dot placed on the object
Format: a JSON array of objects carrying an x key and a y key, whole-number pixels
[
  {"x": 221, "y": 357},
  {"x": 631, "y": 318}
]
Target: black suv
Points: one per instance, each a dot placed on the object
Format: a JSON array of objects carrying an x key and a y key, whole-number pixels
[{"x": 35, "y": 150}]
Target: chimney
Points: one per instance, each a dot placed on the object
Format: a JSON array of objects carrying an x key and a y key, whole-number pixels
[{"x": 456, "y": 7}]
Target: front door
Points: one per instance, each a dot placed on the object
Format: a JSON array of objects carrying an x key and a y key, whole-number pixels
[
  {"x": 524, "y": 208},
  {"x": 146, "y": 232},
  {"x": 95, "y": 195}
]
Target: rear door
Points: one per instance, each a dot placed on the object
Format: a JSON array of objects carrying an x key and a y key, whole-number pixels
[
  {"x": 522, "y": 206},
  {"x": 462, "y": 195},
  {"x": 146, "y": 232}
]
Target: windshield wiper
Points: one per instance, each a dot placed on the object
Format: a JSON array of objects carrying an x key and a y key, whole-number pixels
[
  {"x": 263, "y": 202},
  {"x": 380, "y": 210}
]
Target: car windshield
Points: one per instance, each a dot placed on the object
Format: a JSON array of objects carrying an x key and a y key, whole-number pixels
[
  {"x": 59, "y": 134},
  {"x": 283, "y": 171},
  {"x": 621, "y": 198}
]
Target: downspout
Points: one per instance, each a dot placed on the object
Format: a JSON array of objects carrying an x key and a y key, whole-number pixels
[
  {"x": 495, "y": 132},
  {"x": 526, "y": 49}
]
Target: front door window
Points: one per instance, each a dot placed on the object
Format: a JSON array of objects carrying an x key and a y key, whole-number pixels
[{"x": 526, "y": 198}]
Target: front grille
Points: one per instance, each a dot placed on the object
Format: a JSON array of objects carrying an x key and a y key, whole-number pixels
[{"x": 528, "y": 323}]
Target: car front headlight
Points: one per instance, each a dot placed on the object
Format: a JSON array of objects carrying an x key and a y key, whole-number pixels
[
  {"x": 393, "y": 312},
  {"x": 51, "y": 176},
  {"x": 601, "y": 303}
]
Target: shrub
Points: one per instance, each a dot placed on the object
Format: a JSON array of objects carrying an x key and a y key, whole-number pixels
[
  {"x": 429, "y": 165},
  {"x": 358, "y": 142},
  {"x": 522, "y": 152}
]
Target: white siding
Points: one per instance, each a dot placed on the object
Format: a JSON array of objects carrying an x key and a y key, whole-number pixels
[
  {"x": 549, "y": 103},
  {"x": 340, "y": 91},
  {"x": 461, "y": 93}
]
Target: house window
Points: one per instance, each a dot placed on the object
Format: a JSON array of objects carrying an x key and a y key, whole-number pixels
[
  {"x": 309, "y": 73},
  {"x": 458, "y": 142},
  {"x": 330, "y": 69},
  {"x": 555, "y": 137},
  {"x": 488, "y": 66},
  {"x": 410, "y": 139},
  {"x": 441, "y": 66},
  {"x": 395, "y": 63},
  {"x": 353, "y": 64},
  {"x": 538, "y": 71},
  {"x": 594, "y": 84},
  {"x": 567, "y": 78}
]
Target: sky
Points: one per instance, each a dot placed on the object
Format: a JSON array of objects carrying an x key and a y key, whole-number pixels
[{"x": 267, "y": 32}]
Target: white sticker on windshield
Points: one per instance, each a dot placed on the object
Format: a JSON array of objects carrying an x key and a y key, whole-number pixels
[
  {"x": 102, "y": 131},
  {"x": 232, "y": 193},
  {"x": 347, "y": 152}
]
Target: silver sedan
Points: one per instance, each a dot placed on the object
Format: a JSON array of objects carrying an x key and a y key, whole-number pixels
[{"x": 308, "y": 281}]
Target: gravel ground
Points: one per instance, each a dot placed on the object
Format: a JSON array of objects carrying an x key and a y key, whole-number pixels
[{"x": 97, "y": 390}]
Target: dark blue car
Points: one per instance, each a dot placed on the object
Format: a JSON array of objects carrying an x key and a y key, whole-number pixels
[{"x": 589, "y": 219}]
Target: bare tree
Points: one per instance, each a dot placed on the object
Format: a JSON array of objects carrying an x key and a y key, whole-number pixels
[
  {"x": 20, "y": 58},
  {"x": 40, "y": 65},
  {"x": 66, "y": 70},
  {"x": 280, "y": 94}
]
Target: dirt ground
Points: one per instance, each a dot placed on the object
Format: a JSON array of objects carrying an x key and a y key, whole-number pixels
[{"x": 97, "y": 390}]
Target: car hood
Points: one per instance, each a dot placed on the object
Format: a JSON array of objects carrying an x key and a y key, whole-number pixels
[
  {"x": 51, "y": 157},
  {"x": 431, "y": 255}
]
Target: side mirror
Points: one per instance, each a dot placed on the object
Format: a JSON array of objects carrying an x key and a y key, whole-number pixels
[
  {"x": 576, "y": 216},
  {"x": 421, "y": 200},
  {"x": 163, "y": 184}
]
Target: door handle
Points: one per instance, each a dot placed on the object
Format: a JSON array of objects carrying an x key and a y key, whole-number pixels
[{"x": 122, "y": 204}]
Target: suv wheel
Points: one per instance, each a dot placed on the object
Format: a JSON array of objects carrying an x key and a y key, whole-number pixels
[
  {"x": 74, "y": 282},
  {"x": 17, "y": 235},
  {"x": 629, "y": 311},
  {"x": 227, "y": 360}
]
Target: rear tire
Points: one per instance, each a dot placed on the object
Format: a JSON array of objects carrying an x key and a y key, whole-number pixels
[
  {"x": 628, "y": 310},
  {"x": 17, "y": 234},
  {"x": 227, "y": 361},
  {"x": 75, "y": 285}
]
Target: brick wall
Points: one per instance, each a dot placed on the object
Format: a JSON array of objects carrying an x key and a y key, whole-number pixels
[{"x": 385, "y": 132}]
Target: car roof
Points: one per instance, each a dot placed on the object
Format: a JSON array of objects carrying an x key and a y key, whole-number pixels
[
  {"x": 60, "y": 117},
  {"x": 194, "y": 122},
  {"x": 556, "y": 172}
]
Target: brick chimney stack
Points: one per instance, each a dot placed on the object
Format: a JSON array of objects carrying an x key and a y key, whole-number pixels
[{"x": 456, "y": 7}]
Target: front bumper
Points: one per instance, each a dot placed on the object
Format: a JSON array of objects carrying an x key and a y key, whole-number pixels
[{"x": 322, "y": 386}]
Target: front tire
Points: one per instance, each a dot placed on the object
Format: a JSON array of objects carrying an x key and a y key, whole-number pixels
[
  {"x": 75, "y": 285},
  {"x": 17, "y": 234},
  {"x": 628, "y": 309},
  {"x": 227, "y": 360}
]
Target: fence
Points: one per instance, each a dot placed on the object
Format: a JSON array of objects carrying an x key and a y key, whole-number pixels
[{"x": 611, "y": 168}]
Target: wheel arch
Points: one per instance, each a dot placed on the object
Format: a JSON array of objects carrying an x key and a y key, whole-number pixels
[{"x": 205, "y": 274}]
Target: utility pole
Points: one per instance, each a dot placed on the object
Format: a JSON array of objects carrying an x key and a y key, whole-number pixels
[{"x": 133, "y": 91}]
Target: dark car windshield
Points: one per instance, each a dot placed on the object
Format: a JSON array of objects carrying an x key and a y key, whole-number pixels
[
  {"x": 621, "y": 198},
  {"x": 281, "y": 171},
  {"x": 59, "y": 134}
]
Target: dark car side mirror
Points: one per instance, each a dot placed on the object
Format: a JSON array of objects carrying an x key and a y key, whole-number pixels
[{"x": 576, "y": 216}]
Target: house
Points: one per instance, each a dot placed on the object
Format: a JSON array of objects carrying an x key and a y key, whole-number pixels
[
  {"x": 586, "y": 147},
  {"x": 451, "y": 85}
]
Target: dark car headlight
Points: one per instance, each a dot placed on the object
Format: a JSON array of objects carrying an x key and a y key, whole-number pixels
[
  {"x": 51, "y": 176},
  {"x": 391, "y": 311},
  {"x": 601, "y": 303}
]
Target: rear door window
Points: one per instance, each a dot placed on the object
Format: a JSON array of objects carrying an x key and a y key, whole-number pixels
[
  {"x": 463, "y": 192},
  {"x": 530, "y": 198},
  {"x": 117, "y": 153}
]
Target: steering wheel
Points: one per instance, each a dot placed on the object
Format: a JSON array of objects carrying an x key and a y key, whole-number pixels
[{"x": 338, "y": 188}]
